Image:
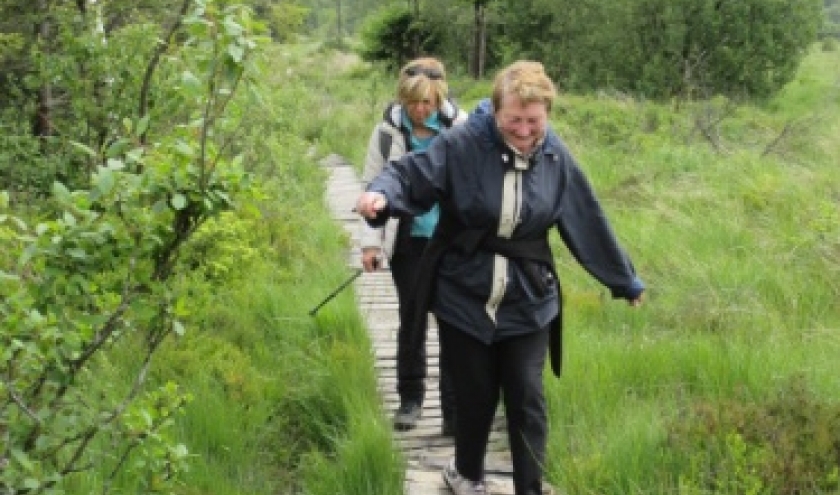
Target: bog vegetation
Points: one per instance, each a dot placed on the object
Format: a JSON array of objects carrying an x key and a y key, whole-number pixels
[{"x": 164, "y": 235}]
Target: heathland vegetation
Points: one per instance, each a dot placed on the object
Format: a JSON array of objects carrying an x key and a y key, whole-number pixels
[{"x": 164, "y": 236}]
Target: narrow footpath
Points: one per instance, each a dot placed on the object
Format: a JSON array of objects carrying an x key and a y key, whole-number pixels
[{"x": 426, "y": 451}]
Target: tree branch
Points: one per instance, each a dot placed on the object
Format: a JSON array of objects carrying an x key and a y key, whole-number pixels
[{"x": 160, "y": 49}]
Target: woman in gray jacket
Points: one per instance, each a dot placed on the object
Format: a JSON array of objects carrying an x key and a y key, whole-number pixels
[
  {"x": 421, "y": 112},
  {"x": 503, "y": 181}
]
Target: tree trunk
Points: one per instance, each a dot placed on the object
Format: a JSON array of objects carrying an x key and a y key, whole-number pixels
[
  {"x": 42, "y": 126},
  {"x": 477, "y": 61}
]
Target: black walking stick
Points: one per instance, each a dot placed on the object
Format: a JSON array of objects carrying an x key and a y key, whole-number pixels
[{"x": 335, "y": 292}]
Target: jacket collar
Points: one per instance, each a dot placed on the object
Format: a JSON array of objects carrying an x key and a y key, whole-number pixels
[
  {"x": 482, "y": 121},
  {"x": 393, "y": 115}
]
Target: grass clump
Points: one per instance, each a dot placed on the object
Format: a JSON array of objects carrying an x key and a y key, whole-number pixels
[{"x": 787, "y": 445}]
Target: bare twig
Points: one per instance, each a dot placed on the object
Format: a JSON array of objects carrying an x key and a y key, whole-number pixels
[
  {"x": 117, "y": 411},
  {"x": 160, "y": 49},
  {"x": 23, "y": 407},
  {"x": 790, "y": 129},
  {"x": 708, "y": 121},
  {"x": 110, "y": 326}
]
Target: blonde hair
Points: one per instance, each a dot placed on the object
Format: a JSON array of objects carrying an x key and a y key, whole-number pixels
[
  {"x": 527, "y": 81},
  {"x": 420, "y": 79}
]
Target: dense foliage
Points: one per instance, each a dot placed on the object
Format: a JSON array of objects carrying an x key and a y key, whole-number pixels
[
  {"x": 784, "y": 446},
  {"x": 664, "y": 48},
  {"x": 654, "y": 48},
  {"x": 94, "y": 267},
  {"x": 72, "y": 72},
  {"x": 395, "y": 36}
]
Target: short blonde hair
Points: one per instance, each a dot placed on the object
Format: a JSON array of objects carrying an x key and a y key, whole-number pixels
[
  {"x": 527, "y": 81},
  {"x": 420, "y": 79}
]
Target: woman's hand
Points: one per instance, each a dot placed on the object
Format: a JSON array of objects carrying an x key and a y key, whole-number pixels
[
  {"x": 370, "y": 204},
  {"x": 371, "y": 258}
]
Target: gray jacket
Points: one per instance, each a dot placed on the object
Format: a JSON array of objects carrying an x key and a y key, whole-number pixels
[
  {"x": 483, "y": 184},
  {"x": 387, "y": 142}
]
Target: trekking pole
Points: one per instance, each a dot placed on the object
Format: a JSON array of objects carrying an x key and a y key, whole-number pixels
[{"x": 335, "y": 292}]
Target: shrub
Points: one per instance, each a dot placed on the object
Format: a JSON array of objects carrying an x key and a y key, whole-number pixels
[
  {"x": 786, "y": 446},
  {"x": 389, "y": 37}
]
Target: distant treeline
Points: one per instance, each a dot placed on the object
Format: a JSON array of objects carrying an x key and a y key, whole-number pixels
[
  {"x": 75, "y": 69},
  {"x": 651, "y": 48}
]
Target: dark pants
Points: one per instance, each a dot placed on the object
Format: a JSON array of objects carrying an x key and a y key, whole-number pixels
[
  {"x": 512, "y": 368},
  {"x": 411, "y": 353}
]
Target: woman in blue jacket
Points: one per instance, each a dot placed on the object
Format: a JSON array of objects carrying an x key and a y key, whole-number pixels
[{"x": 502, "y": 181}]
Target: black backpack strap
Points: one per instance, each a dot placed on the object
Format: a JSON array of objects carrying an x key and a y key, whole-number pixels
[
  {"x": 385, "y": 141},
  {"x": 448, "y": 120}
]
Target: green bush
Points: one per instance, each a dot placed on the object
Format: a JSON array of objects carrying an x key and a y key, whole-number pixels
[
  {"x": 222, "y": 244},
  {"x": 286, "y": 19},
  {"x": 389, "y": 36},
  {"x": 785, "y": 446}
]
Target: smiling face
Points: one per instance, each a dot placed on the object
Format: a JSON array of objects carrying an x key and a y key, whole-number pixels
[
  {"x": 522, "y": 98},
  {"x": 521, "y": 124}
]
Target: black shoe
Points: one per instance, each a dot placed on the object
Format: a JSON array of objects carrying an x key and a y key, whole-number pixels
[
  {"x": 448, "y": 427},
  {"x": 407, "y": 415}
]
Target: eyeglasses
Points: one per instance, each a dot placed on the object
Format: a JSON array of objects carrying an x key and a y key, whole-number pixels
[{"x": 416, "y": 70}]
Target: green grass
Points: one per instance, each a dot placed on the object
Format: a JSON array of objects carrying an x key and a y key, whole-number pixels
[
  {"x": 291, "y": 404},
  {"x": 740, "y": 249}
]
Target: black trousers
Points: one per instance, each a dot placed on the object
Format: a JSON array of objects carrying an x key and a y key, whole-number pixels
[
  {"x": 411, "y": 353},
  {"x": 512, "y": 369}
]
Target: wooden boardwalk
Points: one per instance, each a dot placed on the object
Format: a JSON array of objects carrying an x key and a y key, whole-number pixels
[{"x": 425, "y": 449}]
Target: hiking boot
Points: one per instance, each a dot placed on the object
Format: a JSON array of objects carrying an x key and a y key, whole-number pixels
[
  {"x": 460, "y": 485},
  {"x": 407, "y": 415}
]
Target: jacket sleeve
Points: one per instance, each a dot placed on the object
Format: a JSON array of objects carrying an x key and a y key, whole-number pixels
[
  {"x": 383, "y": 236},
  {"x": 588, "y": 235},
  {"x": 413, "y": 183}
]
